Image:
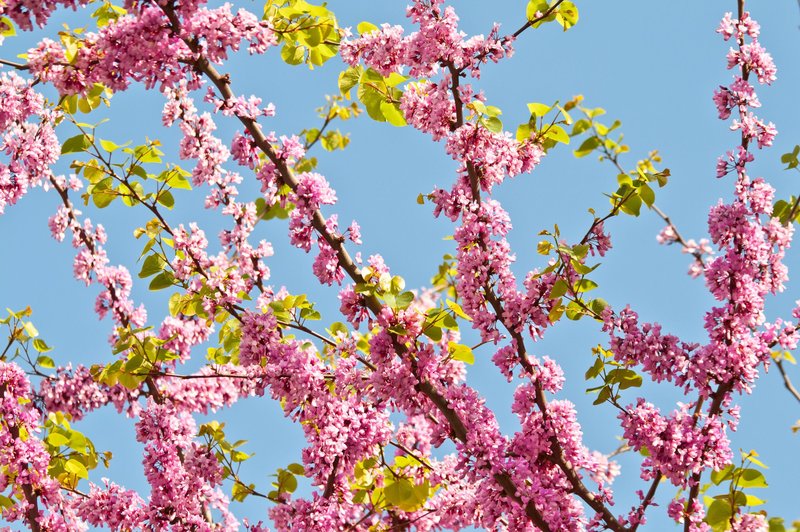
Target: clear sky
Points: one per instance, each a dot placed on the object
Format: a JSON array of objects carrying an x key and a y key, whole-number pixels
[{"x": 653, "y": 65}]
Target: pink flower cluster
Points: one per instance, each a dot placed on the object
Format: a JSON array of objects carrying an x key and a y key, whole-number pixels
[
  {"x": 340, "y": 428},
  {"x": 493, "y": 156},
  {"x": 28, "y": 139},
  {"x": 91, "y": 264},
  {"x": 182, "y": 474},
  {"x": 77, "y": 393},
  {"x": 111, "y": 506},
  {"x": 148, "y": 49},
  {"x": 24, "y": 461},
  {"x": 676, "y": 445},
  {"x": 25, "y": 13},
  {"x": 438, "y": 41},
  {"x": 663, "y": 357},
  {"x": 429, "y": 107}
]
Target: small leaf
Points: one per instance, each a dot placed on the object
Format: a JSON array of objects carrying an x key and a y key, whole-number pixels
[
  {"x": 560, "y": 288},
  {"x": 455, "y": 307},
  {"x": 45, "y": 362},
  {"x": 393, "y": 114},
  {"x": 719, "y": 513},
  {"x": 109, "y": 146},
  {"x": 539, "y": 109},
  {"x": 56, "y": 439},
  {"x": 493, "y": 124},
  {"x": 30, "y": 330},
  {"x": 161, "y": 281},
  {"x": 587, "y": 147},
  {"x": 76, "y": 144},
  {"x": 366, "y": 27},
  {"x": 76, "y": 468},
  {"x": 41, "y": 346},
  {"x": 461, "y": 352},
  {"x": 166, "y": 199},
  {"x": 297, "y": 469},
  {"x": 558, "y": 134},
  {"x": 751, "y": 478}
]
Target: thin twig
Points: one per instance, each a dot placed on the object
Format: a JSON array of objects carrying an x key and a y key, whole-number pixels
[
  {"x": 787, "y": 382},
  {"x": 12, "y": 64}
]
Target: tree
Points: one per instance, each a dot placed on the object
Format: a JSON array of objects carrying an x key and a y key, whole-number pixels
[{"x": 377, "y": 398}]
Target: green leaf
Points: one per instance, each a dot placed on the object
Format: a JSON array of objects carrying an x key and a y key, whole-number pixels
[
  {"x": 103, "y": 199},
  {"x": 567, "y": 15},
  {"x": 76, "y": 144},
  {"x": 166, "y": 199},
  {"x": 30, "y": 330},
  {"x": 493, "y": 124},
  {"x": 395, "y": 79},
  {"x": 718, "y": 477},
  {"x": 393, "y": 114},
  {"x": 751, "y": 478},
  {"x": 455, "y": 307},
  {"x": 287, "y": 482},
  {"x": 584, "y": 285},
  {"x": 580, "y": 126},
  {"x": 152, "y": 265},
  {"x": 433, "y": 332},
  {"x": 575, "y": 311},
  {"x": 76, "y": 468},
  {"x": 629, "y": 379},
  {"x": 632, "y": 205},
  {"x": 293, "y": 55},
  {"x": 539, "y": 109},
  {"x": 544, "y": 247},
  {"x": 45, "y": 362},
  {"x": 587, "y": 147},
  {"x": 109, "y": 146},
  {"x": 56, "y": 439},
  {"x": 297, "y": 469},
  {"x": 370, "y": 96},
  {"x": 535, "y": 6},
  {"x": 719, "y": 514},
  {"x": 8, "y": 29},
  {"x": 558, "y": 134},
  {"x": 348, "y": 79},
  {"x": 161, "y": 281},
  {"x": 560, "y": 288},
  {"x": 595, "y": 370},
  {"x": 461, "y": 352},
  {"x": 404, "y": 300},
  {"x": 41, "y": 346},
  {"x": 523, "y": 132},
  {"x": 647, "y": 195},
  {"x": 366, "y": 27},
  {"x": 399, "y": 492},
  {"x": 776, "y": 524},
  {"x": 603, "y": 396}
]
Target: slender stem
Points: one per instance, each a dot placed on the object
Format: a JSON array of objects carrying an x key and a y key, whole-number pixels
[
  {"x": 12, "y": 64},
  {"x": 533, "y": 21},
  {"x": 678, "y": 238},
  {"x": 787, "y": 382}
]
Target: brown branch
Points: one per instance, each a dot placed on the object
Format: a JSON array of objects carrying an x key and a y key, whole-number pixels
[
  {"x": 787, "y": 382},
  {"x": 222, "y": 83},
  {"x": 331, "y": 483},
  {"x": 12, "y": 64},
  {"x": 678, "y": 238}
]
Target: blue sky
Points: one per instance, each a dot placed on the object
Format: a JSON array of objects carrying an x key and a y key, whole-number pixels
[{"x": 652, "y": 65}]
